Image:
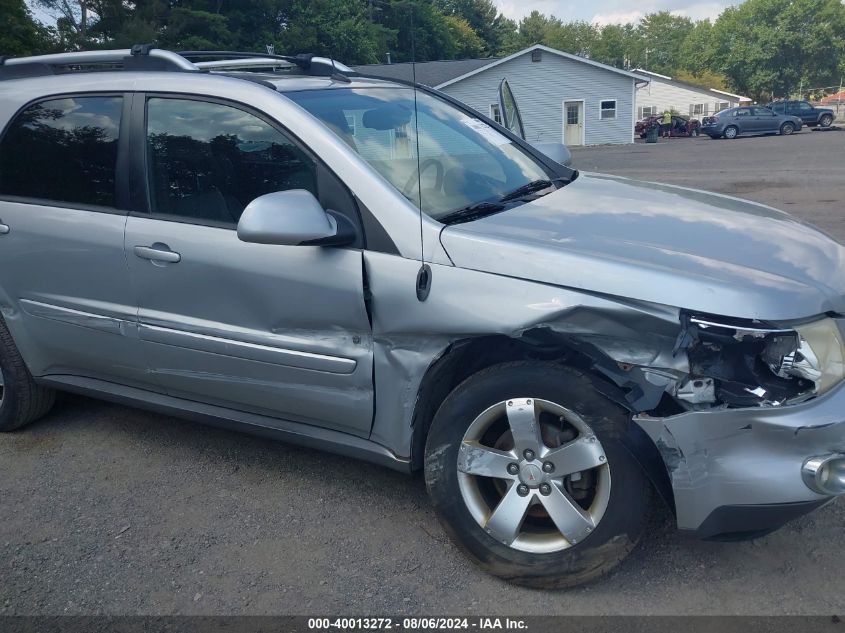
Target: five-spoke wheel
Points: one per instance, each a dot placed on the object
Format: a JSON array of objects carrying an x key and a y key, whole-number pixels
[
  {"x": 533, "y": 475},
  {"x": 518, "y": 464}
]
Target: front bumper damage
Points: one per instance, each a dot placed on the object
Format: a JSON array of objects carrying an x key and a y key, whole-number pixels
[{"x": 737, "y": 471}]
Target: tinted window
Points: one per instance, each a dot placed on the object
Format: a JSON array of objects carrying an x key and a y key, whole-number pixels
[
  {"x": 763, "y": 112},
  {"x": 778, "y": 107},
  {"x": 803, "y": 106},
  {"x": 743, "y": 112},
  {"x": 64, "y": 150},
  {"x": 208, "y": 161}
]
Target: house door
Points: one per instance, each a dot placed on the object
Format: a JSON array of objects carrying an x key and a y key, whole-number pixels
[{"x": 573, "y": 122}]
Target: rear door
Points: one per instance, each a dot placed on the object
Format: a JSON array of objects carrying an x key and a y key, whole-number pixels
[
  {"x": 746, "y": 121},
  {"x": 276, "y": 330},
  {"x": 65, "y": 286}
]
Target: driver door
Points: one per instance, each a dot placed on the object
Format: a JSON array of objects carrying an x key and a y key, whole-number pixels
[{"x": 280, "y": 331}]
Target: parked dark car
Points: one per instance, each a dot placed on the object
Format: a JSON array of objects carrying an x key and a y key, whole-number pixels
[
  {"x": 809, "y": 114},
  {"x": 749, "y": 120},
  {"x": 681, "y": 126}
]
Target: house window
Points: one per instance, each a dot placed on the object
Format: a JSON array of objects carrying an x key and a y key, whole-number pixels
[
  {"x": 495, "y": 113},
  {"x": 647, "y": 111},
  {"x": 608, "y": 109},
  {"x": 699, "y": 109},
  {"x": 722, "y": 105}
]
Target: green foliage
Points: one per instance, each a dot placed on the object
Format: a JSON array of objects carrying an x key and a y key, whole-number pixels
[
  {"x": 760, "y": 47},
  {"x": 771, "y": 47},
  {"x": 20, "y": 34}
]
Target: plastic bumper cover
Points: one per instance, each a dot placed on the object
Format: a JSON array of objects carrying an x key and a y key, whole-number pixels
[{"x": 729, "y": 461}]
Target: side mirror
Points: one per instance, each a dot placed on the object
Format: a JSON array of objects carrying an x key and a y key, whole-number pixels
[
  {"x": 558, "y": 152},
  {"x": 292, "y": 218}
]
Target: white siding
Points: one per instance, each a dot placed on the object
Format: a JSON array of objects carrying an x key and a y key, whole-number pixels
[
  {"x": 668, "y": 96},
  {"x": 541, "y": 88}
]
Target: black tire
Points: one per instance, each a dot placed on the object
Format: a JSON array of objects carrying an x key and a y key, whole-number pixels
[
  {"x": 23, "y": 401},
  {"x": 826, "y": 120},
  {"x": 731, "y": 132},
  {"x": 787, "y": 129},
  {"x": 630, "y": 501},
  {"x": 713, "y": 136}
]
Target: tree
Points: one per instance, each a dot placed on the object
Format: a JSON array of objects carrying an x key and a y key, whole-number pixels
[
  {"x": 72, "y": 18},
  {"x": 21, "y": 34},
  {"x": 577, "y": 38},
  {"x": 696, "y": 55},
  {"x": 773, "y": 47},
  {"x": 484, "y": 18},
  {"x": 663, "y": 35}
]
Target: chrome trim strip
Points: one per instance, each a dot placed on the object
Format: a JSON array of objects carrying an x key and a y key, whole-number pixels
[
  {"x": 743, "y": 328},
  {"x": 99, "y": 322},
  {"x": 247, "y": 351}
]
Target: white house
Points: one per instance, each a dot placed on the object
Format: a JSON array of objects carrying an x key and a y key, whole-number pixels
[
  {"x": 562, "y": 97},
  {"x": 663, "y": 93}
]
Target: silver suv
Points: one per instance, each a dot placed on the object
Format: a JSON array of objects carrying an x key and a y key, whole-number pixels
[{"x": 372, "y": 268}]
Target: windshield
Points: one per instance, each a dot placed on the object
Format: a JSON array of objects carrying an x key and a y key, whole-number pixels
[{"x": 462, "y": 160}]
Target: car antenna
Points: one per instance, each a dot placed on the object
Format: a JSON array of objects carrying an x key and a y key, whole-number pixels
[{"x": 424, "y": 273}]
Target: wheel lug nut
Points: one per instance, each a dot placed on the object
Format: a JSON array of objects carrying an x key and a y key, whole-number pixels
[
  {"x": 513, "y": 469},
  {"x": 522, "y": 490},
  {"x": 548, "y": 467},
  {"x": 528, "y": 454},
  {"x": 545, "y": 489}
]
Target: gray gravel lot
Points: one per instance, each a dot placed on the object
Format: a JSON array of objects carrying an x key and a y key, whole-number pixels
[{"x": 113, "y": 510}]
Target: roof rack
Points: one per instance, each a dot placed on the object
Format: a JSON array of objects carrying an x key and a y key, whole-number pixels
[
  {"x": 147, "y": 57},
  {"x": 306, "y": 62}
]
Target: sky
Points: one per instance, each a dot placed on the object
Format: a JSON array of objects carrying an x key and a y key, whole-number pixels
[{"x": 613, "y": 11}]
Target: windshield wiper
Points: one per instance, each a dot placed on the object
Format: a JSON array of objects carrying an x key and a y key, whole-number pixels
[
  {"x": 471, "y": 212},
  {"x": 532, "y": 187}
]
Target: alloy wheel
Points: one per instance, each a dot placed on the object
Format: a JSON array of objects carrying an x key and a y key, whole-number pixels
[{"x": 533, "y": 475}]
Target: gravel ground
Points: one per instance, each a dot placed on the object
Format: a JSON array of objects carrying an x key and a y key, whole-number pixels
[{"x": 113, "y": 510}]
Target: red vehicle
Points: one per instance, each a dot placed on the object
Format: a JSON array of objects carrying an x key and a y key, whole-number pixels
[{"x": 682, "y": 126}]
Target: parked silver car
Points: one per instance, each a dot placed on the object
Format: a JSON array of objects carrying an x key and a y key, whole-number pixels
[
  {"x": 749, "y": 120},
  {"x": 373, "y": 268}
]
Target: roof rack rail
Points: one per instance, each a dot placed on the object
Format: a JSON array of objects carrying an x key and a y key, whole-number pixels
[
  {"x": 308, "y": 63},
  {"x": 140, "y": 57},
  {"x": 147, "y": 57}
]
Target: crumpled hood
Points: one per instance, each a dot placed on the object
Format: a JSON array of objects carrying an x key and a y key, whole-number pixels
[{"x": 662, "y": 244}]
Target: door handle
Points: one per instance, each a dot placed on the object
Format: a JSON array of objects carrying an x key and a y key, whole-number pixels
[{"x": 158, "y": 253}]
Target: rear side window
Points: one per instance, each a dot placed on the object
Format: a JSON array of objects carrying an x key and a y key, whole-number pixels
[
  {"x": 207, "y": 161},
  {"x": 63, "y": 150}
]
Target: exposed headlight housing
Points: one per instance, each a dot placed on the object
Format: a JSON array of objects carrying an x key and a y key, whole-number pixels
[
  {"x": 753, "y": 362},
  {"x": 820, "y": 356}
]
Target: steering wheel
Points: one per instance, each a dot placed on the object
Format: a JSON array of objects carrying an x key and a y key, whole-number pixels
[{"x": 414, "y": 181}]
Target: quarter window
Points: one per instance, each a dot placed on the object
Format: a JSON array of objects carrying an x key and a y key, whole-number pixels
[
  {"x": 208, "y": 161},
  {"x": 63, "y": 150},
  {"x": 608, "y": 109}
]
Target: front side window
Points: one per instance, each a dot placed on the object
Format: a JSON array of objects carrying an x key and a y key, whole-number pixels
[
  {"x": 803, "y": 106},
  {"x": 63, "y": 150},
  {"x": 207, "y": 161},
  {"x": 608, "y": 109},
  {"x": 441, "y": 158},
  {"x": 780, "y": 108}
]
